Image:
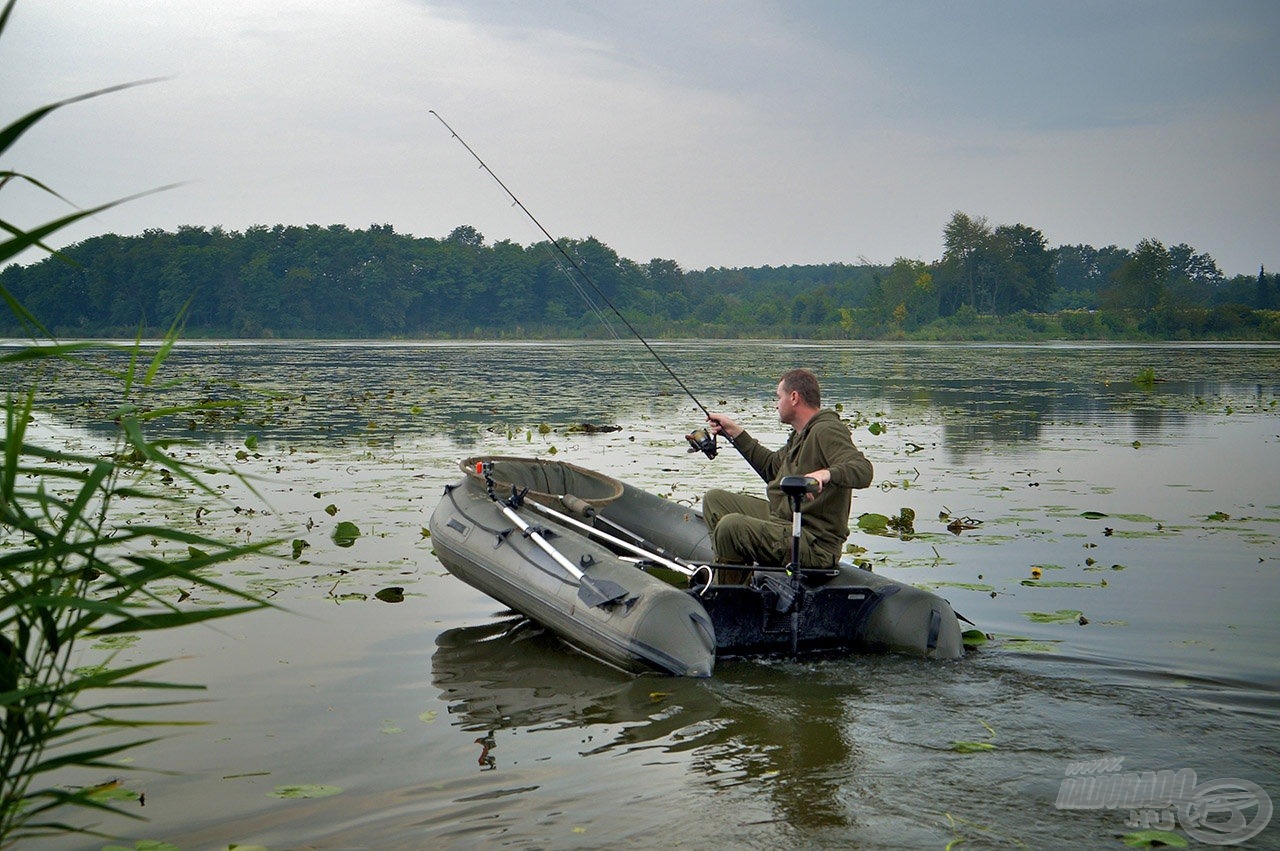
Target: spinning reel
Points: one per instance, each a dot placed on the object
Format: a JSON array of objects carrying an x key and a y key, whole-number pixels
[{"x": 701, "y": 440}]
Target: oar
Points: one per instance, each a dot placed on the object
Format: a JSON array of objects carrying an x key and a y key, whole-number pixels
[
  {"x": 626, "y": 545},
  {"x": 584, "y": 509},
  {"x": 593, "y": 592}
]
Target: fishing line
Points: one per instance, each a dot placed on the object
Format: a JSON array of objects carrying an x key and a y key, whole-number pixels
[{"x": 583, "y": 274}]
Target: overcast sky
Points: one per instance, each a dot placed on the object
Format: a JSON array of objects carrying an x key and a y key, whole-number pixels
[{"x": 713, "y": 134}]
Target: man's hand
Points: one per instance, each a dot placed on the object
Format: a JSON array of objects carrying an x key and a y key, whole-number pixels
[
  {"x": 721, "y": 424},
  {"x": 823, "y": 478}
]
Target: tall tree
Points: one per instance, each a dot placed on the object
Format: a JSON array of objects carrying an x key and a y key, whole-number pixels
[
  {"x": 966, "y": 242},
  {"x": 1027, "y": 269},
  {"x": 1140, "y": 282}
]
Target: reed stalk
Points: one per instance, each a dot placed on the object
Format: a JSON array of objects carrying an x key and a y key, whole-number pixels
[{"x": 72, "y": 571}]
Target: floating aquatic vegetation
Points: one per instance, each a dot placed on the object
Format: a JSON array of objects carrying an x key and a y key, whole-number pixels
[
  {"x": 968, "y": 586},
  {"x": 899, "y": 526},
  {"x": 873, "y": 523},
  {"x": 1060, "y": 616},
  {"x": 1061, "y": 583},
  {"x": 305, "y": 790},
  {"x": 394, "y": 594},
  {"x": 112, "y": 791},
  {"x": 976, "y": 747},
  {"x": 151, "y": 845},
  {"x": 956, "y": 525},
  {"x": 1028, "y": 645},
  {"x": 345, "y": 533},
  {"x": 115, "y": 642},
  {"x": 591, "y": 428}
]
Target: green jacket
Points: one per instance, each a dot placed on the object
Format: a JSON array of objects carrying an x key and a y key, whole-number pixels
[{"x": 825, "y": 443}]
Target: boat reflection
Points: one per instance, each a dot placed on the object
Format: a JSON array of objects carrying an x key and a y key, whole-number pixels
[
  {"x": 512, "y": 673},
  {"x": 740, "y": 729}
]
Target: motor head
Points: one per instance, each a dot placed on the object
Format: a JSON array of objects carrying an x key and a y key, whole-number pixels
[
  {"x": 701, "y": 440},
  {"x": 798, "y": 485}
]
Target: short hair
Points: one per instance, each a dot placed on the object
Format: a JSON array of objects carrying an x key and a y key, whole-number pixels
[{"x": 805, "y": 383}]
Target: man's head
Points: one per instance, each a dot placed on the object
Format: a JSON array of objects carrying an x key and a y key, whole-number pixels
[{"x": 798, "y": 397}]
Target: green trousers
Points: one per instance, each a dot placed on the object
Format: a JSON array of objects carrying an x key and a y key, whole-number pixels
[{"x": 743, "y": 532}]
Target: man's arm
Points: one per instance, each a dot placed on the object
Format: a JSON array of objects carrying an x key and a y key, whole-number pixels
[
  {"x": 762, "y": 460},
  {"x": 846, "y": 465}
]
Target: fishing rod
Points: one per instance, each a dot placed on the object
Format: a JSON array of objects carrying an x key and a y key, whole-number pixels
[{"x": 700, "y": 440}]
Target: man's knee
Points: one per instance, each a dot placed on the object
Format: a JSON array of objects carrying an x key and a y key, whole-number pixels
[{"x": 732, "y": 527}]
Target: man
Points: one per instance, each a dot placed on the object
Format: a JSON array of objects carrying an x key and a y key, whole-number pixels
[{"x": 746, "y": 529}]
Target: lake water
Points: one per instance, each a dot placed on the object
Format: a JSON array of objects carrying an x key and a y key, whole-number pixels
[{"x": 1120, "y": 549}]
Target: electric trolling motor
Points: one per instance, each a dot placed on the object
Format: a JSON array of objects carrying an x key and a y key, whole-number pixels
[{"x": 796, "y": 488}]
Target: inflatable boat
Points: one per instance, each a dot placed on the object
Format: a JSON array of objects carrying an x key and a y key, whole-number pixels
[{"x": 629, "y": 578}]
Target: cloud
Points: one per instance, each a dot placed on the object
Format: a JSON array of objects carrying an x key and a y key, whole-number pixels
[{"x": 713, "y": 133}]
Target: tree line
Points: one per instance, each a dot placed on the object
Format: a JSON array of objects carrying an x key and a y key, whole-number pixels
[{"x": 312, "y": 281}]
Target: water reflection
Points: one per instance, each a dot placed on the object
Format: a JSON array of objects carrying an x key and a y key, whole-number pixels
[
  {"x": 752, "y": 727},
  {"x": 786, "y": 733},
  {"x": 378, "y": 391},
  {"x": 541, "y": 741},
  {"x": 512, "y": 674}
]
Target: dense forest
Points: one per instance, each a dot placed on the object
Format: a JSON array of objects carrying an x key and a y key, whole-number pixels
[{"x": 992, "y": 282}]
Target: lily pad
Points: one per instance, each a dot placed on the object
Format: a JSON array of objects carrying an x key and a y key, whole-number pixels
[
  {"x": 968, "y": 586},
  {"x": 972, "y": 747},
  {"x": 875, "y": 524},
  {"x": 345, "y": 533},
  {"x": 305, "y": 790},
  {"x": 1060, "y": 616},
  {"x": 1136, "y": 518},
  {"x": 112, "y": 792},
  {"x": 115, "y": 642},
  {"x": 394, "y": 594}
]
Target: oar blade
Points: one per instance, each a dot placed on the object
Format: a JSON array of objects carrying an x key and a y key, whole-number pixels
[{"x": 600, "y": 592}]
